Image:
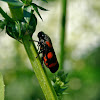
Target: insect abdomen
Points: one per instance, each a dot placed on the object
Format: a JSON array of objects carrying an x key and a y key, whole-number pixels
[{"x": 51, "y": 62}]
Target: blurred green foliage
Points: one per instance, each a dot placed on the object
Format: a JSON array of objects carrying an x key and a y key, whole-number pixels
[{"x": 1, "y": 87}]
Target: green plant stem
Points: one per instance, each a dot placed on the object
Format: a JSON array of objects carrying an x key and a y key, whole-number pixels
[
  {"x": 40, "y": 73},
  {"x": 44, "y": 81},
  {"x": 63, "y": 31},
  {"x": 16, "y": 12},
  {"x": 1, "y": 88}
]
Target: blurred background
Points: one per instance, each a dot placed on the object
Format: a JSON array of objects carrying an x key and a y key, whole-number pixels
[{"x": 82, "y": 52}]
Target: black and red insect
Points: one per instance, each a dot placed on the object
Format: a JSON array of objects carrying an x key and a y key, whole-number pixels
[{"x": 48, "y": 53}]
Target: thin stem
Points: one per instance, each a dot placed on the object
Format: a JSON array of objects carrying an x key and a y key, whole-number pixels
[
  {"x": 16, "y": 12},
  {"x": 63, "y": 31},
  {"x": 1, "y": 88}
]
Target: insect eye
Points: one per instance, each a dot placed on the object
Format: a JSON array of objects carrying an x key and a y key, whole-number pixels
[{"x": 41, "y": 35}]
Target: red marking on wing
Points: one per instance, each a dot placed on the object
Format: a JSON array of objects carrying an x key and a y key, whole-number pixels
[
  {"x": 49, "y": 44},
  {"x": 46, "y": 64},
  {"x": 53, "y": 64},
  {"x": 45, "y": 59},
  {"x": 50, "y": 55}
]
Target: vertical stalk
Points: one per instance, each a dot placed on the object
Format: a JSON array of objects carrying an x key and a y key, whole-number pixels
[
  {"x": 44, "y": 81},
  {"x": 63, "y": 31},
  {"x": 1, "y": 88},
  {"x": 16, "y": 12}
]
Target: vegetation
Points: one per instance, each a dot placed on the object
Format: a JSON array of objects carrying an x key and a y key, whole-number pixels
[
  {"x": 1, "y": 88},
  {"x": 81, "y": 50}
]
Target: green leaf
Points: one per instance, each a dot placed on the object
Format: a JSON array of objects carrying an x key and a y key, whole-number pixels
[
  {"x": 32, "y": 23},
  {"x": 1, "y": 88},
  {"x": 18, "y": 27},
  {"x": 27, "y": 2},
  {"x": 60, "y": 83},
  {"x": 31, "y": 19},
  {"x": 66, "y": 82},
  {"x": 62, "y": 89},
  {"x": 14, "y": 2},
  {"x": 2, "y": 24},
  {"x": 26, "y": 13},
  {"x": 36, "y": 9},
  {"x": 5, "y": 15},
  {"x": 41, "y": 7}
]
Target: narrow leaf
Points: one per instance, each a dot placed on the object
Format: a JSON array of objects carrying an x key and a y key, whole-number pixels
[
  {"x": 5, "y": 15},
  {"x": 36, "y": 9},
  {"x": 1, "y": 88},
  {"x": 62, "y": 90},
  {"x": 26, "y": 13},
  {"x": 14, "y": 2},
  {"x": 66, "y": 82},
  {"x": 2, "y": 24},
  {"x": 41, "y": 7}
]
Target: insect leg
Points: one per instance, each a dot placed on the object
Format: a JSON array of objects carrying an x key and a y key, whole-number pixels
[
  {"x": 34, "y": 41},
  {"x": 39, "y": 53}
]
